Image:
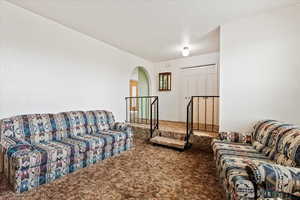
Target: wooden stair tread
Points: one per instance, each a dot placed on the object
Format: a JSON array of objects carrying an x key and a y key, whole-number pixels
[{"x": 168, "y": 142}]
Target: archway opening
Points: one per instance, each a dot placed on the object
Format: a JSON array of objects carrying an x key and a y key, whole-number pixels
[
  {"x": 139, "y": 89},
  {"x": 139, "y": 84}
]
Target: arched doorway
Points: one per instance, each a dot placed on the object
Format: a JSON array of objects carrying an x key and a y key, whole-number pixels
[
  {"x": 139, "y": 83},
  {"x": 139, "y": 87}
]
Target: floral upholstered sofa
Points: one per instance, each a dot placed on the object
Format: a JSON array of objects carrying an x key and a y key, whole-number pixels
[
  {"x": 39, "y": 148},
  {"x": 264, "y": 164}
]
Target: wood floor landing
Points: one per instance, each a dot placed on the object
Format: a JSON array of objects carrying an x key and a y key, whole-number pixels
[{"x": 175, "y": 130}]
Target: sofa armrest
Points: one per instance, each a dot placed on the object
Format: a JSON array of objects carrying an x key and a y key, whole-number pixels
[
  {"x": 121, "y": 126},
  {"x": 9, "y": 144},
  {"x": 275, "y": 178},
  {"x": 235, "y": 137}
]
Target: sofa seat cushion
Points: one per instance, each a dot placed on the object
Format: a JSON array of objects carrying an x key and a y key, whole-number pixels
[
  {"x": 236, "y": 154},
  {"x": 219, "y": 145},
  {"x": 27, "y": 156},
  {"x": 238, "y": 150},
  {"x": 91, "y": 142},
  {"x": 101, "y": 139},
  {"x": 117, "y": 136}
]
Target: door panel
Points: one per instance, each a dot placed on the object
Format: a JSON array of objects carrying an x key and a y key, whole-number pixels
[
  {"x": 212, "y": 84},
  {"x": 133, "y": 93}
]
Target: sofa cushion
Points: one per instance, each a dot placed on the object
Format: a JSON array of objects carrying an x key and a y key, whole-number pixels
[
  {"x": 288, "y": 147},
  {"x": 99, "y": 120},
  {"x": 117, "y": 135},
  {"x": 235, "y": 149},
  {"x": 27, "y": 156},
  {"x": 93, "y": 142},
  {"x": 263, "y": 133},
  {"x": 110, "y": 118},
  {"x": 33, "y": 128},
  {"x": 238, "y": 154},
  {"x": 219, "y": 145},
  {"x": 81, "y": 144},
  {"x": 76, "y": 122},
  {"x": 259, "y": 127},
  {"x": 101, "y": 139}
]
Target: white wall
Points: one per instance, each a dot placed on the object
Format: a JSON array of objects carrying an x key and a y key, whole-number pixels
[
  {"x": 170, "y": 102},
  {"x": 46, "y": 67},
  {"x": 260, "y": 68}
]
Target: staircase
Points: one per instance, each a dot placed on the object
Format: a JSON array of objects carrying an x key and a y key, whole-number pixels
[
  {"x": 145, "y": 122},
  {"x": 170, "y": 134}
]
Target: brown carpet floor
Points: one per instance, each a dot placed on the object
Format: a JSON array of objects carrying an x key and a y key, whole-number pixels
[{"x": 145, "y": 172}]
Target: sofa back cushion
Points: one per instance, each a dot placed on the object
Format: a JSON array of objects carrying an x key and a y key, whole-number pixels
[
  {"x": 266, "y": 134},
  {"x": 286, "y": 147},
  {"x": 76, "y": 123},
  {"x": 99, "y": 120},
  {"x": 33, "y": 128},
  {"x": 279, "y": 141},
  {"x": 263, "y": 135}
]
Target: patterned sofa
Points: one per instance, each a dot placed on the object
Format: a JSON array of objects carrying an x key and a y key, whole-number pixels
[
  {"x": 39, "y": 148},
  {"x": 262, "y": 165}
]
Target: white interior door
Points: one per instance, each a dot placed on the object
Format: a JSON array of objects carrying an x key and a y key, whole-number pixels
[
  {"x": 197, "y": 82},
  {"x": 212, "y": 88}
]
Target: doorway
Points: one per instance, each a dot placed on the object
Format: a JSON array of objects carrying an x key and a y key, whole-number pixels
[
  {"x": 134, "y": 92},
  {"x": 139, "y": 82},
  {"x": 202, "y": 82},
  {"x": 139, "y": 87}
]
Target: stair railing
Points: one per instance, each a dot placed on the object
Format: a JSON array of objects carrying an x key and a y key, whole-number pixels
[
  {"x": 189, "y": 122},
  {"x": 154, "y": 119},
  {"x": 206, "y": 113},
  {"x": 202, "y": 114},
  {"x": 143, "y": 110}
]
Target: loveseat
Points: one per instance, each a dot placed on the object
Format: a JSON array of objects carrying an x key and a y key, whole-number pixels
[
  {"x": 263, "y": 164},
  {"x": 39, "y": 148}
]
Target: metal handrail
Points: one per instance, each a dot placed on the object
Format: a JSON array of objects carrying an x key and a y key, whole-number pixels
[
  {"x": 205, "y": 96},
  {"x": 190, "y": 114},
  {"x": 189, "y": 122},
  {"x": 140, "y": 97},
  {"x": 146, "y": 111},
  {"x": 154, "y": 105}
]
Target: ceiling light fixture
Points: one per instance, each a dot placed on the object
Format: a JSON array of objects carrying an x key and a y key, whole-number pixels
[{"x": 185, "y": 51}]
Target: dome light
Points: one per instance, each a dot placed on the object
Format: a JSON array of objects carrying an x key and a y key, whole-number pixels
[{"x": 185, "y": 51}]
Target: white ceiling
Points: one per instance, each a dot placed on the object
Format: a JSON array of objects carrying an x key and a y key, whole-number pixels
[{"x": 153, "y": 29}]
